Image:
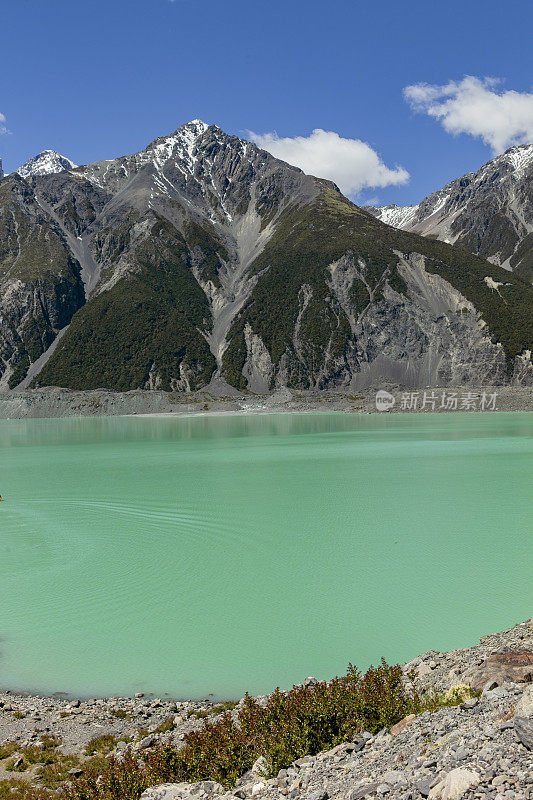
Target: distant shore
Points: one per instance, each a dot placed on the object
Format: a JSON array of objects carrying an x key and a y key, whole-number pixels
[{"x": 54, "y": 402}]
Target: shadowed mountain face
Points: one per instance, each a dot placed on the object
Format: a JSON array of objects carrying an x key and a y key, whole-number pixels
[
  {"x": 489, "y": 212},
  {"x": 204, "y": 258}
]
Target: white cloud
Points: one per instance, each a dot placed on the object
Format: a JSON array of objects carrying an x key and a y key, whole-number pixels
[
  {"x": 352, "y": 164},
  {"x": 3, "y": 127},
  {"x": 478, "y": 107}
]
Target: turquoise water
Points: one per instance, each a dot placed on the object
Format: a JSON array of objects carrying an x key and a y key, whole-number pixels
[{"x": 221, "y": 554}]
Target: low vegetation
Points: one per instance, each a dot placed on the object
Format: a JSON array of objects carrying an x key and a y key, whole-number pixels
[{"x": 290, "y": 725}]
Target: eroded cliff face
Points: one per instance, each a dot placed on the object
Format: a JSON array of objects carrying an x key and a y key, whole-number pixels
[
  {"x": 40, "y": 284},
  {"x": 203, "y": 257},
  {"x": 429, "y": 336}
]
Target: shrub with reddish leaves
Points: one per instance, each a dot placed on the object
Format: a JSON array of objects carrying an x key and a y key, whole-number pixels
[{"x": 303, "y": 721}]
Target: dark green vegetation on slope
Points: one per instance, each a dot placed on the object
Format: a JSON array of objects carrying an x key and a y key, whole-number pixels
[
  {"x": 148, "y": 318},
  {"x": 303, "y": 721}
]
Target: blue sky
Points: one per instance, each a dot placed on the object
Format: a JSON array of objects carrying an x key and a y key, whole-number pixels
[{"x": 101, "y": 78}]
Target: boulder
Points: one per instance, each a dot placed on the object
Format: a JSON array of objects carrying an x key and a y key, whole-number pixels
[
  {"x": 513, "y": 665},
  {"x": 393, "y": 777},
  {"x": 425, "y": 786},
  {"x": 454, "y": 785},
  {"x": 402, "y": 724},
  {"x": 183, "y": 791},
  {"x": 147, "y": 741},
  {"x": 524, "y": 730},
  {"x": 362, "y": 790},
  {"x": 524, "y": 707}
]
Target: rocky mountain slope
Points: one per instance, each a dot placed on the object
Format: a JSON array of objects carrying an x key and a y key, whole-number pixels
[
  {"x": 47, "y": 162},
  {"x": 204, "y": 258},
  {"x": 488, "y": 212}
]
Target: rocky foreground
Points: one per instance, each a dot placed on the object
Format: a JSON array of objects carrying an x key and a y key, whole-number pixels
[{"x": 481, "y": 748}]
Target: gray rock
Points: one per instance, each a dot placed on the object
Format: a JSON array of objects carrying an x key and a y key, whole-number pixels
[
  {"x": 173, "y": 791},
  {"x": 147, "y": 741},
  {"x": 467, "y": 206},
  {"x": 261, "y": 767},
  {"x": 468, "y": 704},
  {"x": 362, "y": 790},
  {"x": 461, "y": 753},
  {"x": 524, "y": 730},
  {"x": 454, "y": 785},
  {"x": 424, "y": 786},
  {"x": 393, "y": 777},
  {"x": 524, "y": 707}
]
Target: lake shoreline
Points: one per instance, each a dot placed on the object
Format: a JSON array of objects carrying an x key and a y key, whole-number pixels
[
  {"x": 26, "y": 717},
  {"x": 57, "y": 403}
]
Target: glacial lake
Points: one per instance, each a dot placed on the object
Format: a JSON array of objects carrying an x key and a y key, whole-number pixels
[{"x": 219, "y": 554}]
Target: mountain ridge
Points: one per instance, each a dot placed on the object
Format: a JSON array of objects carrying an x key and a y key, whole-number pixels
[
  {"x": 203, "y": 257},
  {"x": 488, "y": 212}
]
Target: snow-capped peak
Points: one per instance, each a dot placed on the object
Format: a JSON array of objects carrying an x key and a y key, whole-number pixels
[
  {"x": 520, "y": 158},
  {"x": 46, "y": 163},
  {"x": 182, "y": 143},
  {"x": 197, "y": 125}
]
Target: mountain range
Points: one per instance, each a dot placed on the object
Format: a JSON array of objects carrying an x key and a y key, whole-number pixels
[
  {"x": 488, "y": 212},
  {"x": 203, "y": 258}
]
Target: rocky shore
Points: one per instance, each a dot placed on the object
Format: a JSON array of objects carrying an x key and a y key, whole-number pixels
[
  {"x": 221, "y": 398},
  {"x": 480, "y": 748}
]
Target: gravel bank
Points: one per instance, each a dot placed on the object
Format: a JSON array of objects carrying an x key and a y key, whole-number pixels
[{"x": 51, "y": 402}]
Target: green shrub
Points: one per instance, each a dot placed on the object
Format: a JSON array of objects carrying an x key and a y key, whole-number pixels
[
  {"x": 167, "y": 725},
  {"x": 119, "y": 713},
  {"x": 214, "y": 710},
  {"x": 19, "y": 789},
  {"x": 54, "y": 774},
  {"x": 7, "y": 749},
  {"x": 101, "y": 744},
  {"x": 16, "y": 765}
]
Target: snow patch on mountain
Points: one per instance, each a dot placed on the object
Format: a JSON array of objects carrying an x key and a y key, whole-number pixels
[
  {"x": 45, "y": 163},
  {"x": 520, "y": 158},
  {"x": 397, "y": 216}
]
